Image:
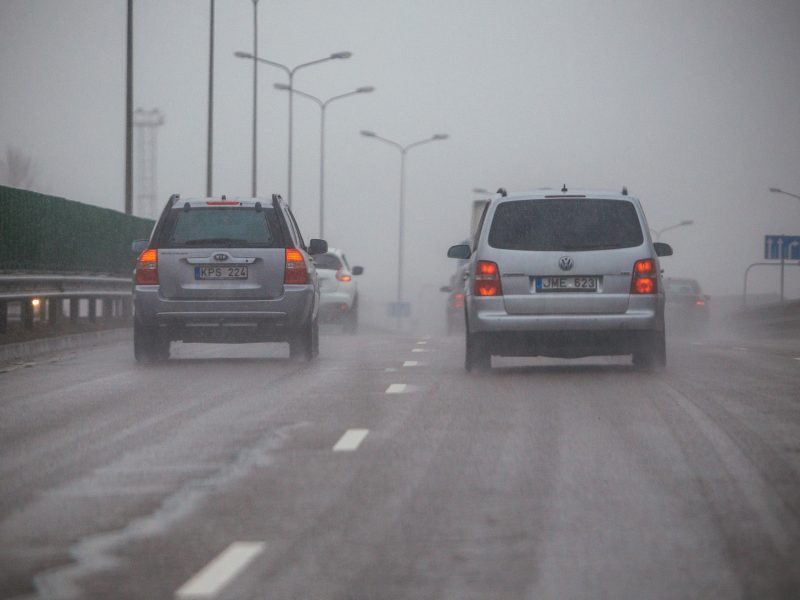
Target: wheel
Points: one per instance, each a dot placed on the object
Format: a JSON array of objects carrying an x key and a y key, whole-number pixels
[
  {"x": 653, "y": 352},
  {"x": 304, "y": 345},
  {"x": 350, "y": 324},
  {"x": 477, "y": 356},
  {"x": 149, "y": 345}
]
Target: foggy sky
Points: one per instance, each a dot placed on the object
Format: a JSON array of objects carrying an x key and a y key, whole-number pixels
[{"x": 694, "y": 105}]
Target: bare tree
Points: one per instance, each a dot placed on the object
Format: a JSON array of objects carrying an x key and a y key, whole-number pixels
[{"x": 18, "y": 170}]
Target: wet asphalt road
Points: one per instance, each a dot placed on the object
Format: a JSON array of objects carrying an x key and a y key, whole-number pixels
[{"x": 384, "y": 470}]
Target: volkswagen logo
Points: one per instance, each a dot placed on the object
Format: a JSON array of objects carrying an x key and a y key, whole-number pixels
[
  {"x": 220, "y": 256},
  {"x": 566, "y": 263}
]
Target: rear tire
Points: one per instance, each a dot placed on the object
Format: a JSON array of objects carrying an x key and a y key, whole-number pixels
[
  {"x": 350, "y": 325},
  {"x": 477, "y": 356},
  {"x": 149, "y": 344},
  {"x": 304, "y": 345},
  {"x": 653, "y": 352}
]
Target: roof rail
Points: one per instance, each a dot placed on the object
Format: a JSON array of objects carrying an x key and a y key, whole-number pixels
[
  {"x": 624, "y": 190},
  {"x": 276, "y": 201},
  {"x": 502, "y": 191}
]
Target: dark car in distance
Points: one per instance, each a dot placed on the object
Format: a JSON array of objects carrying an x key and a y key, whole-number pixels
[{"x": 687, "y": 307}]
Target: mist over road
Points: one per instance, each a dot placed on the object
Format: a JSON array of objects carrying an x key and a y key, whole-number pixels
[{"x": 386, "y": 471}]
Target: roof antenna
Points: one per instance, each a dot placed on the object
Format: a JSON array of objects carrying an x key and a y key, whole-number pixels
[
  {"x": 564, "y": 189},
  {"x": 624, "y": 190},
  {"x": 502, "y": 191}
]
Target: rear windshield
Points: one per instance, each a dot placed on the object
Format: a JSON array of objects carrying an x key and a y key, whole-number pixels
[
  {"x": 328, "y": 261},
  {"x": 565, "y": 224},
  {"x": 221, "y": 228}
]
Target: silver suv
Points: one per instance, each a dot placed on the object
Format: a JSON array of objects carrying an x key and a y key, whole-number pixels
[
  {"x": 563, "y": 274},
  {"x": 225, "y": 271}
]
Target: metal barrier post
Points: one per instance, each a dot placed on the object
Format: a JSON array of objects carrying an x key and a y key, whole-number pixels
[
  {"x": 74, "y": 309},
  {"x": 3, "y": 316},
  {"x": 92, "y": 310},
  {"x": 27, "y": 313},
  {"x": 53, "y": 310}
]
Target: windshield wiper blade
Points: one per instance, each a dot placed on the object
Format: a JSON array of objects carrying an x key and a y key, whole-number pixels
[
  {"x": 592, "y": 247},
  {"x": 228, "y": 242}
]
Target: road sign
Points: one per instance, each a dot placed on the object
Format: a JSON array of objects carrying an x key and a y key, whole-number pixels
[
  {"x": 782, "y": 246},
  {"x": 399, "y": 309}
]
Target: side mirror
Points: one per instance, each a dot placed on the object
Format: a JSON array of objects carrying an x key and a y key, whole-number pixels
[
  {"x": 358, "y": 270},
  {"x": 139, "y": 246},
  {"x": 446, "y": 288},
  {"x": 662, "y": 249},
  {"x": 459, "y": 251},
  {"x": 316, "y": 246}
]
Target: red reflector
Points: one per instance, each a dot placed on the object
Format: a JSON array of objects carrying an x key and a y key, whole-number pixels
[
  {"x": 295, "y": 271},
  {"x": 223, "y": 203},
  {"x": 458, "y": 300},
  {"x": 487, "y": 279},
  {"x": 644, "y": 277},
  {"x": 700, "y": 302},
  {"x": 147, "y": 268}
]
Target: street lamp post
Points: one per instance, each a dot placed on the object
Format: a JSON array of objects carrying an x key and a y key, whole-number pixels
[
  {"x": 658, "y": 232},
  {"x": 403, "y": 151},
  {"x": 780, "y": 191},
  {"x": 290, "y": 71},
  {"x": 323, "y": 105}
]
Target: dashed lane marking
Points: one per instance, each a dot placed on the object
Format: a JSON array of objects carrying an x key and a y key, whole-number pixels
[
  {"x": 422, "y": 343},
  {"x": 351, "y": 440},
  {"x": 414, "y": 363},
  {"x": 390, "y": 370},
  {"x": 208, "y": 582},
  {"x": 420, "y": 350},
  {"x": 396, "y": 388}
]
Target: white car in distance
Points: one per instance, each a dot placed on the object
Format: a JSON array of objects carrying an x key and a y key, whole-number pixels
[{"x": 338, "y": 289}]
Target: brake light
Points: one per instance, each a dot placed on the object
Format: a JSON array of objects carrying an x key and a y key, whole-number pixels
[
  {"x": 700, "y": 302},
  {"x": 458, "y": 300},
  {"x": 487, "y": 279},
  {"x": 645, "y": 277},
  {"x": 295, "y": 271},
  {"x": 342, "y": 276},
  {"x": 147, "y": 268}
]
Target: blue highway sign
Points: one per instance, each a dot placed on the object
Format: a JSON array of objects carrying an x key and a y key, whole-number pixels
[{"x": 782, "y": 246}]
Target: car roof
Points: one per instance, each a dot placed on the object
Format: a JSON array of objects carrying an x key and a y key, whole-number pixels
[
  {"x": 542, "y": 194},
  {"x": 245, "y": 202}
]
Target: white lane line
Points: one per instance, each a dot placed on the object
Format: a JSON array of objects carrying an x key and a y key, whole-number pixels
[
  {"x": 740, "y": 349},
  {"x": 209, "y": 581},
  {"x": 390, "y": 370},
  {"x": 396, "y": 388},
  {"x": 422, "y": 343},
  {"x": 797, "y": 357},
  {"x": 414, "y": 363},
  {"x": 420, "y": 350},
  {"x": 351, "y": 440}
]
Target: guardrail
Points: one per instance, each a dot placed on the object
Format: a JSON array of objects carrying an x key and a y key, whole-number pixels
[{"x": 46, "y": 295}]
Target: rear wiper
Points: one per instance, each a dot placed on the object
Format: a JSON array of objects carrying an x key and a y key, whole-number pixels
[
  {"x": 228, "y": 242},
  {"x": 593, "y": 247}
]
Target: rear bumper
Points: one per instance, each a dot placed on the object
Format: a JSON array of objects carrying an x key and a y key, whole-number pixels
[
  {"x": 334, "y": 305},
  {"x": 225, "y": 320},
  {"x": 565, "y": 335}
]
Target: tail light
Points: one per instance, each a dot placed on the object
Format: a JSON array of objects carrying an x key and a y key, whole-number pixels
[
  {"x": 645, "y": 277},
  {"x": 147, "y": 268},
  {"x": 342, "y": 276},
  {"x": 295, "y": 270},
  {"x": 487, "y": 279},
  {"x": 458, "y": 300},
  {"x": 700, "y": 302}
]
